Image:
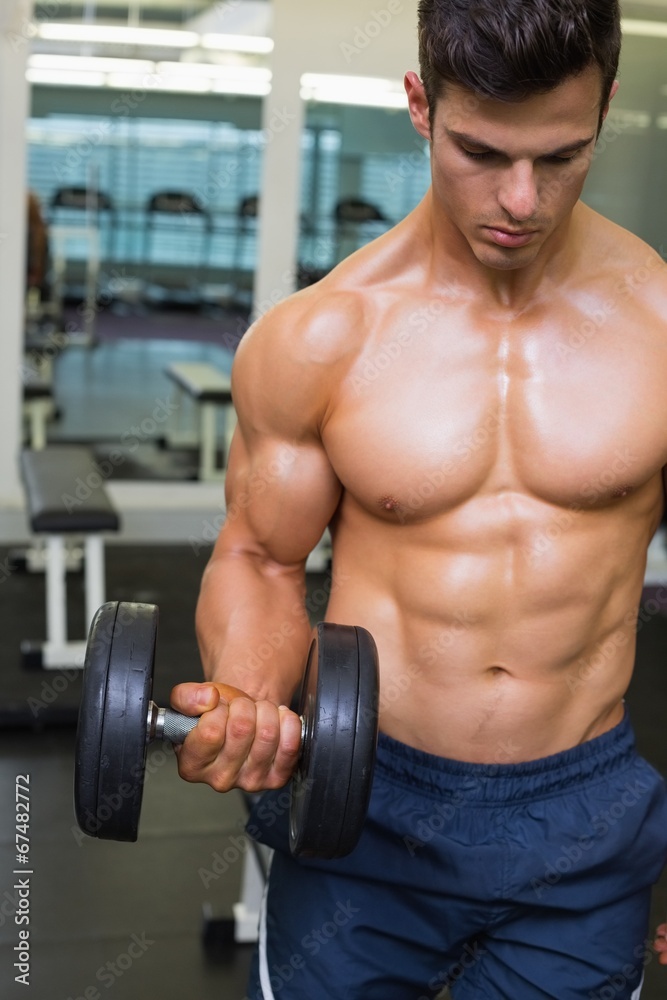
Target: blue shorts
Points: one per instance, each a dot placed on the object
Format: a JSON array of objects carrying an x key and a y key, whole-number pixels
[{"x": 520, "y": 881}]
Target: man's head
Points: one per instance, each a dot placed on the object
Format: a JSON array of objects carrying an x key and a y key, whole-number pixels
[
  {"x": 509, "y": 50},
  {"x": 512, "y": 98}
]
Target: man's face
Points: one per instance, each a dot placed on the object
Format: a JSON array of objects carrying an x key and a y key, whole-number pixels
[{"x": 508, "y": 175}]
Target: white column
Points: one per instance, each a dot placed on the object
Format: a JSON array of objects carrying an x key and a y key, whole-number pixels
[
  {"x": 376, "y": 38},
  {"x": 282, "y": 120},
  {"x": 15, "y": 31}
]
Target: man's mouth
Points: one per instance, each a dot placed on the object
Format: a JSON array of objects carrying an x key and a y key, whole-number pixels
[{"x": 511, "y": 238}]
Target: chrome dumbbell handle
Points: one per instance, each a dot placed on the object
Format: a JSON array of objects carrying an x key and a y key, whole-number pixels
[
  {"x": 172, "y": 727},
  {"x": 168, "y": 725}
]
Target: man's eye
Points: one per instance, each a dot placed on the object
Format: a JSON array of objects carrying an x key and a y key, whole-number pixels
[
  {"x": 563, "y": 159},
  {"x": 475, "y": 156}
]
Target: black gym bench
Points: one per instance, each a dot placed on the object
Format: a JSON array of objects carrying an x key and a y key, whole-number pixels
[{"x": 65, "y": 497}]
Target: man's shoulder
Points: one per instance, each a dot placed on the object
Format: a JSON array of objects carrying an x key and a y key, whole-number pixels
[
  {"x": 630, "y": 267},
  {"x": 317, "y": 324},
  {"x": 621, "y": 250}
]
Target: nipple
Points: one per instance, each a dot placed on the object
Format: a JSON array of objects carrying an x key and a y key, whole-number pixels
[{"x": 389, "y": 504}]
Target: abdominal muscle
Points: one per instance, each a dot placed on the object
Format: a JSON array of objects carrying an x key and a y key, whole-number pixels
[{"x": 493, "y": 648}]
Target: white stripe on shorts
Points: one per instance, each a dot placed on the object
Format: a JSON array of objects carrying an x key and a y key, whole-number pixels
[
  {"x": 635, "y": 995},
  {"x": 264, "y": 977}
]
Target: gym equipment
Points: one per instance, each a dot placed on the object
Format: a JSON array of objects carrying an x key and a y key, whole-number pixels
[
  {"x": 211, "y": 390},
  {"x": 338, "y": 705},
  {"x": 66, "y": 499}
]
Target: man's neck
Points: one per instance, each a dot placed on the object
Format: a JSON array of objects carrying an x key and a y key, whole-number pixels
[{"x": 509, "y": 290}]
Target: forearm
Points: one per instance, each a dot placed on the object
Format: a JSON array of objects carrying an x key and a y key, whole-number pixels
[{"x": 252, "y": 626}]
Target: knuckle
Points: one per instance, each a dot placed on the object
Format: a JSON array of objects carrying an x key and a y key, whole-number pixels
[
  {"x": 241, "y": 729},
  {"x": 291, "y": 744},
  {"x": 210, "y": 732},
  {"x": 267, "y": 734},
  {"x": 187, "y": 769},
  {"x": 277, "y": 780},
  {"x": 249, "y": 784},
  {"x": 221, "y": 783}
]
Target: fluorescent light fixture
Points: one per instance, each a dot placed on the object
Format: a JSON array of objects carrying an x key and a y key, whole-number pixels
[
  {"x": 247, "y": 88},
  {"x": 143, "y": 74},
  {"x": 65, "y": 78},
  {"x": 95, "y": 64},
  {"x": 254, "y": 81},
  {"x": 363, "y": 91},
  {"x": 255, "y": 44},
  {"x": 180, "y": 85},
  {"x": 650, "y": 29},
  {"x": 251, "y": 74},
  {"x": 117, "y": 35},
  {"x": 661, "y": 121}
]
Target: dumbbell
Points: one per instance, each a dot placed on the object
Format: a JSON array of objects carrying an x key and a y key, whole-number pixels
[{"x": 338, "y": 706}]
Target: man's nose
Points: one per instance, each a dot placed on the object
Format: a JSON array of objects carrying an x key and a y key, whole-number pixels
[{"x": 519, "y": 196}]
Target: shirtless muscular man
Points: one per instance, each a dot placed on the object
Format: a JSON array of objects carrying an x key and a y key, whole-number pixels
[{"x": 475, "y": 405}]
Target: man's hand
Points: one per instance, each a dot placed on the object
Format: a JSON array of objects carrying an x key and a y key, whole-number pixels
[
  {"x": 660, "y": 943},
  {"x": 238, "y": 742}
]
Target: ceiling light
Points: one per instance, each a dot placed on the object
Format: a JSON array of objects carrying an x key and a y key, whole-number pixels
[
  {"x": 98, "y": 64},
  {"x": 65, "y": 78},
  {"x": 117, "y": 35},
  {"x": 357, "y": 90},
  {"x": 651, "y": 29},
  {"x": 238, "y": 43},
  {"x": 252, "y": 74},
  {"x": 247, "y": 88}
]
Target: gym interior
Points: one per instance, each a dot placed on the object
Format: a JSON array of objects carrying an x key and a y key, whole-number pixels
[{"x": 170, "y": 169}]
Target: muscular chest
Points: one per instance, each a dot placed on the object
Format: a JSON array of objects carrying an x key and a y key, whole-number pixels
[{"x": 426, "y": 426}]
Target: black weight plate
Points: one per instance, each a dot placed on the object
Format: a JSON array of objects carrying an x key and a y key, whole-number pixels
[
  {"x": 91, "y": 715},
  {"x": 365, "y": 743},
  {"x": 121, "y": 651},
  {"x": 328, "y": 705}
]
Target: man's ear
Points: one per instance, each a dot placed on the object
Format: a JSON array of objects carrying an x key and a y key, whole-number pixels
[
  {"x": 418, "y": 104},
  {"x": 612, "y": 95}
]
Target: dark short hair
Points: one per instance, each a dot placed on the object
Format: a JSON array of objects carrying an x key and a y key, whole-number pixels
[{"x": 512, "y": 49}]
